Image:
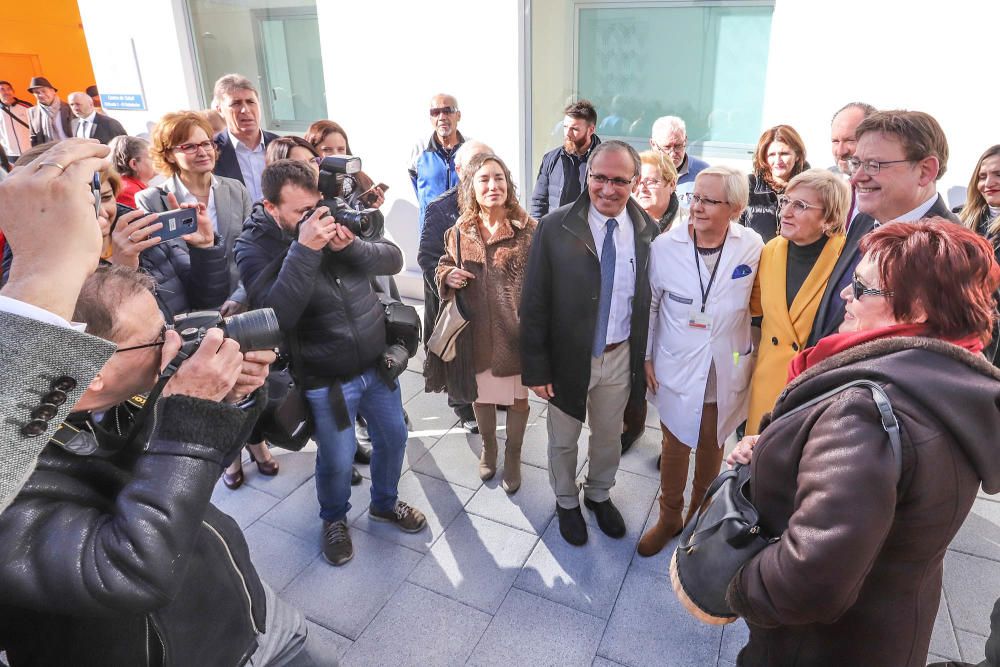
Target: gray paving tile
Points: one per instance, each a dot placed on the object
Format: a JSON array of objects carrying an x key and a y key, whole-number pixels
[
  {"x": 633, "y": 496},
  {"x": 973, "y": 586},
  {"x": 980, "y": 534},
  {"x": 298, "y": 514},
  {"x": 641, "y": 457},
  {"x": 943, "y": 641},
  {"x": 973, "y": 647},
  {"x": 530, "y": 509},
  {"x": 294, "y": 468},
  {"x": 529, "y": 630},
  {"x": 279, "y": 556},
  {"x": 446, "y": 633},
  {"x": 325, "y": 646},
  {"x": 586, "y": 578},
  {"x": 652, "y": 416},
  {"x": 660, "y": 563},
  {"x": 936, "y": 658},
  {"x": 734, "y": 638},
  {"x": 430, "y": 412},
  {"x": 246, "y": 504},
  {"x": 411, "y": 383},
  {"x": 535, "y": 450},
  {"x": 630, "y": 639},
  {"x": 604, "y": 662},
  {"x": 454, "y": 458},
  {"x": 475, "y": 562},
  {"x": 995, "y": 497},
  {"x": 345, "y": 599},
  {"x": 440, "y": 502}
]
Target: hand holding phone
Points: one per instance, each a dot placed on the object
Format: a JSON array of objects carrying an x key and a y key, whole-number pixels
[{"x": 374, "y": 196}]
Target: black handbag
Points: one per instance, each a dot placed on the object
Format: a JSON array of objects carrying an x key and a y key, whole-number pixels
[{"x": 726, "y": 532}]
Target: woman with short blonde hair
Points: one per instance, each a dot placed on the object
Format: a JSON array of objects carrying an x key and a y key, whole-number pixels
[
  {"x": 795, "y": 268},
  {"x": 657, "y": 193}
]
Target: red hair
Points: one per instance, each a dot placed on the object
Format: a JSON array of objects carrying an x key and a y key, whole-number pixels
[{"x": 943, "y": 268}]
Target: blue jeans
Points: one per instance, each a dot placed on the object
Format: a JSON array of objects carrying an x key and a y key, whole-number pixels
[{"x": 383, "y": 409}]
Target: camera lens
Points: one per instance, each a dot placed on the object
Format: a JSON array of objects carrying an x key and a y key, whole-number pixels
[{"x": 254, "y": 330}]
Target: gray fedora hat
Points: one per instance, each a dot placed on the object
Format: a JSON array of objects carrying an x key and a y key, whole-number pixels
[{"x": 40, "y": 82}]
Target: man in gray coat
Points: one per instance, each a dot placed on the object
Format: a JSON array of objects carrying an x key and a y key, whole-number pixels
[{"x": 44, "y": 363}]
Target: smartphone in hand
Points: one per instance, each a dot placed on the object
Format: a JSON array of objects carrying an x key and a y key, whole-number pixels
[{"x": 177, "y": 222}]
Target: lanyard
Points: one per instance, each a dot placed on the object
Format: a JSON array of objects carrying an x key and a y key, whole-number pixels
[{"x": 697, "y": 265}]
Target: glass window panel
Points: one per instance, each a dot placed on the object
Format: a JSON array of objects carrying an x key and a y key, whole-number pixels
[{"x": 275, "y": 44}]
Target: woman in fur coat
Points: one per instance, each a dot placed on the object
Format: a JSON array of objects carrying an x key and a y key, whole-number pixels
[{"x": 494, "y": 234}]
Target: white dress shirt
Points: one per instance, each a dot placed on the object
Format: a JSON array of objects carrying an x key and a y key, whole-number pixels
[
  {"x": 184, "y": 196},
  {"x": 25, "y": 309},
  {"x": 14, "y": 137},
  {"x": 251, "y": 164},
  {"x": 619, "y": 321},
  {"x": 85, "y": 129}
]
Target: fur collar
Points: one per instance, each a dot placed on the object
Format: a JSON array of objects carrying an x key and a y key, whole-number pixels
[{"x": 473, "y": 247}]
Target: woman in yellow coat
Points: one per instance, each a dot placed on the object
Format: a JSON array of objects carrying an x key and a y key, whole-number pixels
[{"x": 794, "y": 270}]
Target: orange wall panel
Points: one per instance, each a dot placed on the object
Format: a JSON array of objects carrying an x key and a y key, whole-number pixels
[{"x": 51, "y": 31}]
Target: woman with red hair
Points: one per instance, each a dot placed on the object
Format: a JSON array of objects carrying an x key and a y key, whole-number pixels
[{"x": 856, "y": 577}]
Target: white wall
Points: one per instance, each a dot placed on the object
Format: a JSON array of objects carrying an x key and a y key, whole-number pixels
[
  {"x": 166, "y": 63},
  {"x": 379, "y": 84},
  {"x": 927, "y": 56}
]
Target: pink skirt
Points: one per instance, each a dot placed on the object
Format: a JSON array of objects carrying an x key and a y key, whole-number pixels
[{"x": 499, "y": 391}]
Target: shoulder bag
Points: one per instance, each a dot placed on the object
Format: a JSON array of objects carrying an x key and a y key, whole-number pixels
[
  {"x": 451, "y": 320},
  {"x": 726, "y": 532}
]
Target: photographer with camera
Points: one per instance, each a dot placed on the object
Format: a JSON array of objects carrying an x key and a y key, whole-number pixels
[
  {"x": 112, "y": 553},
  {"x": 315, "y": 272}
]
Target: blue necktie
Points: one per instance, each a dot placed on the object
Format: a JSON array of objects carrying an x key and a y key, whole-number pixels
[{"x": 608, "y": 260}]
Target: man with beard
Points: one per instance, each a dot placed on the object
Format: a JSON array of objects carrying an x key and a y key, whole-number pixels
[{"x": 563, "y": 172}]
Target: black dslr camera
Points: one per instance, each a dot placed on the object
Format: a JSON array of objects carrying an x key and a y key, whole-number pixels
[
  {"x": 253, "y": 330},
  {"x": 337, "y": 184},
  {"x": 402, "y": 328}
]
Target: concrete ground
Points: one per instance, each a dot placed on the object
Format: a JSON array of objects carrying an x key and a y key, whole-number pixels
[{"x": 491, "y": 581}]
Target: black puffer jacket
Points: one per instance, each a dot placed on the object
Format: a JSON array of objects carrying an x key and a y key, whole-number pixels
[
  {"x": 323, "y": 297},
  {"x": 122, "y": 560}
]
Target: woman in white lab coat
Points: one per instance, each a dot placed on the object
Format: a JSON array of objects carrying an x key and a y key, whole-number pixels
[{"x": 699, "y": 356}]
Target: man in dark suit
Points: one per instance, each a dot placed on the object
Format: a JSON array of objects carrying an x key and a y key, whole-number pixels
[
  {"x": 584, "y": 321},
  {"x": 899, "y": 157},
  {"x": 50, "y": 119},
  {"x": 88, "y": 124},
  {"x": 242, "y": 144}
]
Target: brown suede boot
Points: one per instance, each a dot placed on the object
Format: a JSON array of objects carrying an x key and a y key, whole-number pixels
[
  {"x": 517, "y": 422},
  {"x": 486, "y": 417},
  {"x": 707, "y": 461},
  {"x": 674, "y": 459}
]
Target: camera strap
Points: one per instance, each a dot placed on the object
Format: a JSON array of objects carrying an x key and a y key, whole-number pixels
[{"x": 154, "y": 395}]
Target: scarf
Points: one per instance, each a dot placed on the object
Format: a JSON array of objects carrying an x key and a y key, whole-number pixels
[{"x": 836, "y": 343}]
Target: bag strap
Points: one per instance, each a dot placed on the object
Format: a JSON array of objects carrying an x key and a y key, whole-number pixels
[
  {"x": 458, "y": 246},
  {"x": 889, "y": 421},
  {"x": 7, "y": 111}
]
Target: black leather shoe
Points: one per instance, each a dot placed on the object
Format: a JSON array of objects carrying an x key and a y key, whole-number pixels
[
  {"x": 609, "y": 519},
  {"x": 470, "y": 425},
  {"x": 629, "y": 438},
  {"x": 355, "y": 476},
  {"x": 572, "y": 526},
  {"x": 363, "y": 454}
]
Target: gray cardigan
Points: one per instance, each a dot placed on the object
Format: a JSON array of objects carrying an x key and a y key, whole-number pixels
[{"x": 232, "y": 207}]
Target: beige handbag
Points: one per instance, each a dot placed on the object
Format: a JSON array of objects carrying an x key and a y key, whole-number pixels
[{"x": 451, "y": 321}]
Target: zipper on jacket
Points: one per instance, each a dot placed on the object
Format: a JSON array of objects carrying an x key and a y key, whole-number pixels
[
  {"x": 350, "y": 316},
  {"x": 243, "y": 581},
  {"x": 150, "y": 623}
]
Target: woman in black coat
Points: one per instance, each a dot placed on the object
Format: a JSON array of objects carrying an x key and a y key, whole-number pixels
[{"x": 780, "y": 157}]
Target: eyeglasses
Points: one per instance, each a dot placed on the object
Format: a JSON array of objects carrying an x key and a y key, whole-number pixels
[
  {"x": 653, "y": 184},
  {"x": 160, "y": 340},
  {"x": 796, "y": 205},
  {"x": 437, "y": 111},
  {"x": 871, "y": 167},
  {"x": 603, "y": 180},
  {"x": 860, "y": 289},
  {"x": 191, "y": 149},
  {"x": 691, "y": 198},
  {"x": 670, "y": 148}
]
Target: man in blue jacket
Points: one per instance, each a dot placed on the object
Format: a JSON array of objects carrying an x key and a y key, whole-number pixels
[
  {"x": 432, "y": 164},
  {"x": 564, "y": 170}
]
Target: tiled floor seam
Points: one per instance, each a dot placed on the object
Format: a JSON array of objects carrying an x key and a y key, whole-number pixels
[
  {"x": 968, "y": 553},
  {"x": 600, "y": 618},
  {"x": 951, "y": 621}
]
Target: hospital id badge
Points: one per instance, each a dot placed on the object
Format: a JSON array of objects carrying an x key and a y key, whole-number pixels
[{"x": 700, "y": 320}]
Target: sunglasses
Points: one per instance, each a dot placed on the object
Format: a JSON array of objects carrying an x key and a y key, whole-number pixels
[
  {"x": 437, "y": 111},
  {"x": 861, "y": 290}
]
